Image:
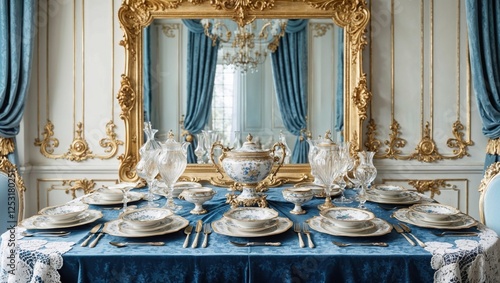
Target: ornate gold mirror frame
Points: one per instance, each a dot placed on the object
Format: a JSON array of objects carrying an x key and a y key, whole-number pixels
[{"x": 135, "y": 15}]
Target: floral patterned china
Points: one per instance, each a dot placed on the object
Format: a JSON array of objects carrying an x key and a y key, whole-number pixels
[
  {"x": 407, "y": 215},
  {"x": 385, "y": 190},
  {"x": 272, "y": 224},
  {"x": 113, "y": 228},
  {"x": 146, "y": 217},
  {"x": 347, "y": 217},
  {"x": 225, "y": 226},
  {"x": 110, "y": 194},
  {"x": 434, "y": 211},
  {"x": 404, "y": 198},
  {"x": 297, "y": 196},
  {"x": 63, "y": 212},
  {"x": 381, "y": 227},
  {"x": 366, "y": 227},
  {"x": 127, "y": 228},
  {"x": 251, "y": 217},
  {"x": 43, "y": 222}
]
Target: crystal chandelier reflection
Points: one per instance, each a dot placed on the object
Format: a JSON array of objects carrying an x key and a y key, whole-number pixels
[{"x": 245, "y": 47}]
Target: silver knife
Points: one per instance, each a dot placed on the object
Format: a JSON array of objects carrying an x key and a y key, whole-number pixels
[
  {"x": 94, "y": 242},
  {"x": 199, "y": 226},
  {"x": 92, "y": 232},
  {"x": 250, "y": 244}
]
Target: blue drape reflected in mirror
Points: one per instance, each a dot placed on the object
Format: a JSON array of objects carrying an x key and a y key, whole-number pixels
[
  {"x": 339, "y": 99},
  {"x": 289, "y": 64}
]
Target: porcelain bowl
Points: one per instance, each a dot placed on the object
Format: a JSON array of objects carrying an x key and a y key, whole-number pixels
[
  {"x": 197, "y": 196},
  {"x": 434, "y": 211},
  {"x": 251, "y": 217},
  {"x": 110, "y": 194},
  {"x": 179, "y": 187},
  {"x": 63, "y": 212},
  {"x": 347, "y": 217},
  {"x": 385, "y": 190},
  {"x": 147, "y": 217}
]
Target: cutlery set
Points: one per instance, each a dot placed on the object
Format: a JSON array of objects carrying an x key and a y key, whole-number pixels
[
  {"x": 305, "y": 229},
  {"x": 91, "y": 234},
  {"x": 200, "y": 228}
]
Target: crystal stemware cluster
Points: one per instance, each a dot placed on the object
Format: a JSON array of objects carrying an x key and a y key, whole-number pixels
[
  {"x": 146, "y": 167},
  {"x": 205, "y": 140}
]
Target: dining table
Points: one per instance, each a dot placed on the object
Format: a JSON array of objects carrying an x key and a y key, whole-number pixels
[{"x": 474, "y": 257}]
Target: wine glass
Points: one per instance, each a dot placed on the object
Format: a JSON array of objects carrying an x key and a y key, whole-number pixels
[
  {"x": 347, "y": 163},
  {"x": 326, "y": 164},
  {"x": 147, "y": 169},
  {"x": 124, "y": 188},
  {"x": 365, "y": 172}
]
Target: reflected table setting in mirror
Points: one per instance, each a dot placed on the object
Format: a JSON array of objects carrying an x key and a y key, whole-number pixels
[{"x": 361, "y": 248}]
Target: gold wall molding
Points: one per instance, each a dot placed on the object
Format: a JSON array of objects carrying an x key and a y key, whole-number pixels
[
  {"x": 426, "y": 150},
  {"x": 432, "y": 186},
  {"x": 362, "y": 97},
  {"x": 79, "y": 149}
]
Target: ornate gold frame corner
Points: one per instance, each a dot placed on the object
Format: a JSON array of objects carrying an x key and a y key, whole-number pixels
[{"x": 135, "y": 15}]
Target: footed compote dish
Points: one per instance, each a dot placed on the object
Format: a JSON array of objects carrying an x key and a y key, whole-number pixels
[
  {"x": 198, "y": 196},
  {"x": 248, "y": 166},
  {"x": 298, "y": 196}
]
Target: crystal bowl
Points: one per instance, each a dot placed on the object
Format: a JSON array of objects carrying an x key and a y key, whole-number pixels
[
  {"x": 434, "y": 211},
  {"x": 63, "y": 212},
  {"x": 251, "y": 217},
  {"x": 147, "y": 217},
  {"x": 347, "y": 217}
]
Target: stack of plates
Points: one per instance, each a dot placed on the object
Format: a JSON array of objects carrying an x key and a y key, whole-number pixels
[
  {"x": 350, "y": 222},
  {"x": 251, "y": 222},
  {"x": 62, "y": 216},
  {"x": 435, "y": 215},
  {"x": 145, "y": 222},
  {"x": 391, "y": 194}
]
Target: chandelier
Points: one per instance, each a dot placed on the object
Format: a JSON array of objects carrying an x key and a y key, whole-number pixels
[{"x": 245, "y": 47}]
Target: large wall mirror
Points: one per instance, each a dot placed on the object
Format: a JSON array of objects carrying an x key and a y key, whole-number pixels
[{"x": 136, "y": 16}]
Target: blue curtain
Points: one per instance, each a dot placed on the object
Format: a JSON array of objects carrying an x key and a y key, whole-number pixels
[
  {"x": 147, "y": 95},
  {"x": 289, "y": 64},
  {"x": 17, "y": 34},
  {"x": 201, "y": 66},
  {"x": 483, "y": 23},
  {"x": 339, "y": 99}
]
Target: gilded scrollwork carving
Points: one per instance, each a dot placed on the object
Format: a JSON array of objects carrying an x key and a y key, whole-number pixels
[
  {"x": 320, "y": 30},
  {"x": 169, "y": 29},
  {"x": 126, "y": 97},
  {"x": 7, "y": 146},
  {"x": 85, "y": 185},
  {"x": 432, "y": 186},
  {"x": 361, "y": 97},
  {"x": 242, "y": 8},
  {"x": 426, "y": 150},
  {"x": 79, "y": 149}
]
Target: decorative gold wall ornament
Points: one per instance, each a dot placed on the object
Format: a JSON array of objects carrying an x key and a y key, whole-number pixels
[
  {"x": 432, "y": 186},
  {"x": 85, "y": 185},
  {"x": 491, "y": 172},
  {"x": 7, "y": 146},
  {"x": 78, "y": 149},
  {"x": 426, "y": 150},
  {"x": 361, "y": 97},
  {"x": 168, "y": 29},
  {"x": 135, "y": 15},
  {"x": 320, "y": 30}
]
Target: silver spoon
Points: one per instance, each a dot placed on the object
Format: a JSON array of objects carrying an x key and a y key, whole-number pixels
[
  {"x": 46, "y": 234},
  {"x": 124, "y": 244},
  {"x": 377, "y": 244},
  {"x": 457, "y": 234}
]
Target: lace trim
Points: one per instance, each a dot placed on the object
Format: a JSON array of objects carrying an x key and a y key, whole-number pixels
[
  {"x": 467, "y": 260},
  {"x": 23, "y": 261}
]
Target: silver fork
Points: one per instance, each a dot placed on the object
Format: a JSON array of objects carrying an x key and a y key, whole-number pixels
[
  {"x": 305, "y": 229},
  {"x": 296, "y": 228},
  {"x": 207, "y": 229}
]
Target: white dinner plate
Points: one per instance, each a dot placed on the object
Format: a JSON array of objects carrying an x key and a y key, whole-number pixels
[
  {"x": 381, "y": 228},
  {"x": 366, "y": 227},
  {"x": 447, "y": 221},
  {"x": 410, "y": 198},
  {"x": 403, "y": 215},
  {"x": 96, "y": 200},
  {"x": 41, "y": 222},
  {"x": 222, "y": 227},
  {"x": 126, "y": 228},
  {"x": 177, "y": 223}
]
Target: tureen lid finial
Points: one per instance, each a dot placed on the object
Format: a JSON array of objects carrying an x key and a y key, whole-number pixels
[
  {"x": 170, "y": 134},
  {"x": 249, "y": 137}
]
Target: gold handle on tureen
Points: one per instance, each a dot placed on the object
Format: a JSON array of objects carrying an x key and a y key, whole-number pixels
[
  {"x": 217, "y": 165},
  {"x": 277, "y": 159}
]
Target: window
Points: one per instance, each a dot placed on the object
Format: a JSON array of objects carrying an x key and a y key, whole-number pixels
[{"x": 222, "y": 103}]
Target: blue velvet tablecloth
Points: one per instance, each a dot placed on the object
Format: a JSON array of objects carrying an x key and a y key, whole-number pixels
[{"x": 223, "y": 262}]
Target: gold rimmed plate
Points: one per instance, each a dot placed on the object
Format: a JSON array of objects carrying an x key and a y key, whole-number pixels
[
  {"x": 381, "y": 228},
  {"x": 408, "y": 198},
  {"x": 178, "y": 223},
  {"x": 41, "y": 222},
  {"x": 95, "y": 199},
  {"x": 222, "y": 227},
  {"x": 404, "y": 215}
]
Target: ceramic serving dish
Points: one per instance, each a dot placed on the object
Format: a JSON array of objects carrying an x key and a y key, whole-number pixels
[
  {"x": 385, "y": 190},
  {"x": 434, "y": 211},
  {"x": 251, "y": 217},
  {"x": 63, "y": 212},
  {"x": 197, "y": 196},
  {"x": 110, "y": 194},
  {"x": 298, "y": 196},
  {"x": 347, "y": 217},
  {"x": 146, "y": 217}
]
